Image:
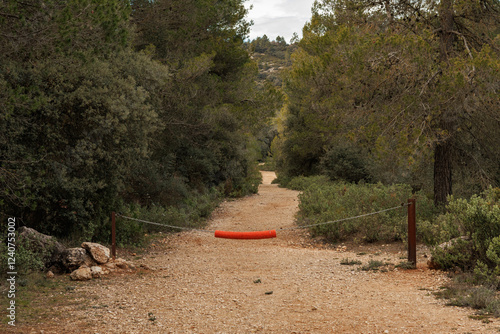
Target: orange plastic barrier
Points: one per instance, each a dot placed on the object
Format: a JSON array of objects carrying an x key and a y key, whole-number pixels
[{"x": 246, "y": 235}]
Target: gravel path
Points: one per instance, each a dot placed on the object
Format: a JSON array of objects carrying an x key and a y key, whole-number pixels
[{"x": 202, "y": 284}]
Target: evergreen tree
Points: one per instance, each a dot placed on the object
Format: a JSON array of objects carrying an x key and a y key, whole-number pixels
[{"x": 406, "y": 80}]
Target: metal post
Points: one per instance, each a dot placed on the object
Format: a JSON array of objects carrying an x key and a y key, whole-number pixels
[
  {"x": 113, "y": 235},
  {"x": 412, "y": 233}
]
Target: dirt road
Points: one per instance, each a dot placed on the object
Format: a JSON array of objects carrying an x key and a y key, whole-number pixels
[{"x": 202, "y": 284}]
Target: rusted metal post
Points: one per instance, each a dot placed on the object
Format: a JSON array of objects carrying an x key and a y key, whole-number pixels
[
  {"x": 412, "y": 232},
  {"x": 113, "y": 235}
]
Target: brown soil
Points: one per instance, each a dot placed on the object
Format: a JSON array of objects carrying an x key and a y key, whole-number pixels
[{"x": 289, "y": 284}]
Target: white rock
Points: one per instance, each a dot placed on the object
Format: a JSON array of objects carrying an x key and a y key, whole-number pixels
[
  {"x": 96, "y": 271},
  {"x": 81, "y": 274},
  {"x": 98, "y": 252},
  {"x": 74, "y": 258}
]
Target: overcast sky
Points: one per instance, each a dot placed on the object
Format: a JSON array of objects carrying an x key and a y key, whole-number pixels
[{"x": 278, "y": 17}]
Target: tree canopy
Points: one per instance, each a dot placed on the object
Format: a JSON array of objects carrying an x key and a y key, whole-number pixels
[
  {"x": 109, "y": 104},
  {"x": 405, "y": 82}
]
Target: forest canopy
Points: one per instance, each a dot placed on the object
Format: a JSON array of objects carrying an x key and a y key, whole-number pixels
[
  {"x": 107, "y": 105},
  {"x": 396, "y": 91}
]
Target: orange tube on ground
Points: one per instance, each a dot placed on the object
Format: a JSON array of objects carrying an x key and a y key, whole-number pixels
[{"x": 246, "y": 235}]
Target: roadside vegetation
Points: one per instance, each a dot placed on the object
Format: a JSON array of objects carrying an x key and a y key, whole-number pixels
[
  {"x": 464, "y": 239},
  {"x": 107, "y": 106}
]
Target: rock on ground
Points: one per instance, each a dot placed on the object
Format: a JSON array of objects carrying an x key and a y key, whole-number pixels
[
  {"x": 98, "y": 252},
  {"x": 43, "y": 244},
  {"x": 74, "y": 258},
  {"x": 81, "y": 274}
]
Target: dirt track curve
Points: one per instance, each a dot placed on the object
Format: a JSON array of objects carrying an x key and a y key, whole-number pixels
[{"x": 202, "y": 284}]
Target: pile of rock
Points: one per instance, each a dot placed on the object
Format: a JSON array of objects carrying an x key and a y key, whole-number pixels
[{"x": 91, "y": 260}]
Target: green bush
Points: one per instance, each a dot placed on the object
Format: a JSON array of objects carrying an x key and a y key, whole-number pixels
[
  {"x": 323, "y": 201},
  {"x": 248, "y": 184},
  {"x": 478, "y": 221},
  {"x": 459, "y": 254},
  {"x": 28, "y": 256},
  {"x": 302, "y": 183},
  {"x": 192, "y": 213},
  {"x": 345, "y": 163}
]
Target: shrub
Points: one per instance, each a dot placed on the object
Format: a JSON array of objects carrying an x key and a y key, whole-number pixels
[
  {"x": 459, "y": 254},
  {"x": 28, "y": 256},
  {"x": 302, "y": 182},
  {"x": 322, "y": 201},
  {"x": 478, "y": 221},
  {"x": 249, "y": 184},
  {"x": 191, "y": 213},
  {"x": 345, "y": 163},
  {"x": 464, "y": 291}
]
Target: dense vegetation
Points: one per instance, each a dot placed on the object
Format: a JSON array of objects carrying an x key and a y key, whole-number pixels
[
  {"x": 323, "y": 201},
  {"x": 107, "y": 106},
  {"x": 398, "y": 92}
]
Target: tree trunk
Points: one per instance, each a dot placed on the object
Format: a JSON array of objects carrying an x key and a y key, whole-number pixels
[
  {"x": 442, "y": 173},
  {"x": 447, "y": 37},
  {"x": 443, "y": 149}
]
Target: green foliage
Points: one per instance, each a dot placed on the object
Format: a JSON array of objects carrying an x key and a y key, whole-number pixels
[
  {"x": 459, "y": 254},
  {"x": 89, "y": 126},
  {"x": 74, "y": 140},
  {"x": 383, "y": 80},
  {"x": 183, "y": 29},
  {"x": 493, "y": 252},
  {"x": 345, "y": 164},
  {"x": 40, "y": 30},
  {"x": 28, "y": 256},
  {"x": 322, "y": 202},
  {"x": 477, "y": 220},
  {"x": 303, "y": 182}
]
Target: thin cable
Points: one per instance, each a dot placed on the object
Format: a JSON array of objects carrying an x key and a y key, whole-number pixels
[
  {"x": 344, "y": 219},
  {"x": 281, "y": 228},
  {"x": 165, "y": 225}
]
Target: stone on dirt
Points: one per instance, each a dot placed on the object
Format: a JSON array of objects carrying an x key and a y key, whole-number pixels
[
  {"x": 44, "y": 244},
  {"x": 96, "y": 271},
  {"x": 98, "y": 252},
  {"x": 74, "y": 258},
  {"x": 122, "y": 264},
  {"x": 81, "y": 274}
]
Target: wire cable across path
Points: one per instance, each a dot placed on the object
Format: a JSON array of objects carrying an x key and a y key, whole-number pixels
[
  {"x": 258, "y": 234},
  {"x": 165, "y": 225},
  {"x": 344, "y": 219}
]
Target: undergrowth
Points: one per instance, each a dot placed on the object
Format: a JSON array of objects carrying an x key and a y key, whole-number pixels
[
  {"x": 466, "y": 290},
  {"x": 192, "y": 213},
  {"x": 324, "y": 201}
]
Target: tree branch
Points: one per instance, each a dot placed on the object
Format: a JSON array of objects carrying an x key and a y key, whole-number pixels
[
  {"x": 10, "y": 15},
  {"x": 468, "y": 50}
]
